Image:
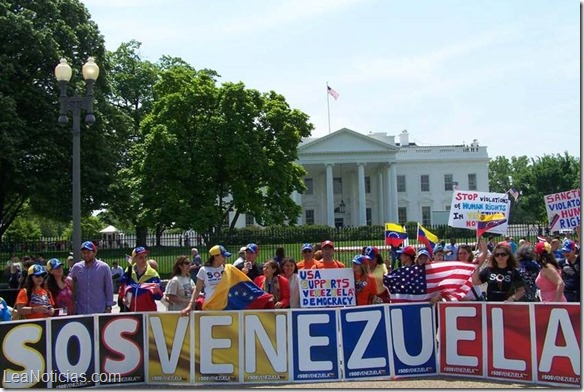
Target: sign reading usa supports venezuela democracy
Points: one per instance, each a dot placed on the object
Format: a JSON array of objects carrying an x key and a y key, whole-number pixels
[
  {"x": 326, "y": 287},
  {"x": 563, "y": 210},
  {"x": 466, "y": 207}
]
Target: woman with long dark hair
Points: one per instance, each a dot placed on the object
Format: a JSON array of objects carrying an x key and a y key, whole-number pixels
[
  {"x": 504, "y": 282},
  {"x": 60, "y": 287},
  {"x": 272, "y": 282},
  {"x": 180, "y": 288},
  {"x": 549, "y": 280}
]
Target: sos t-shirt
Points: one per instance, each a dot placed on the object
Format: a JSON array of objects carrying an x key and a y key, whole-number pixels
[
  {"x": 501, "y": 282},
  {"x": 210, "y": 277}
]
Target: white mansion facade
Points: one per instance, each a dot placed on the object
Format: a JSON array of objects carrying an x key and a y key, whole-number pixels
[{"x": 356, "y": 180}]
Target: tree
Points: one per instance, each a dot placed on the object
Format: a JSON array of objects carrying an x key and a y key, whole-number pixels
[
  {"x": 35, "y": 152},
  {"x": 210, "y": 149},
  {"x": 132, "y": 81},
  {"x": 534, "y": 178}
]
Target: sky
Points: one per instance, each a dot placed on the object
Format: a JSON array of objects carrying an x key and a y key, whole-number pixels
[{"x": 504, "y": 72}]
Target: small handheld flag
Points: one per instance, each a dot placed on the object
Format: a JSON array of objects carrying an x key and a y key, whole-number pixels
[
  {"x": 395, "y": 234},
  {"x": 427, "y": 238}
]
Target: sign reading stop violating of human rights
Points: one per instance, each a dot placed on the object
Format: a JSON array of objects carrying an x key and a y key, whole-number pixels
[{"x": 535, "y": 342}]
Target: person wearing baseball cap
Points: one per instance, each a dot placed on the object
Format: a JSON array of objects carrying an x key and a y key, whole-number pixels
[
  {"x": 423, "y": 257},
  {"x": 407, "y": 256},
  {"x": 328, "y": 249},
  {"x": 33, "y": 300},
  {"x": 60, "y": 287},
  {"x": 141, "y": 286},
  {"x": 308, "y": 260},
  {"x": 249, "y": 266},
  {"x": 378, "y": 270},
  {"x": 208, "y": 278},
  {"x": 365, "y": 286},
  {"x": 570, "y": 267},
  {"x": 92, "y": 282}
]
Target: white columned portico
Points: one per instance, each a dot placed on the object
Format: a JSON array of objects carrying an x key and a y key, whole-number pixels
[
  {"x": 362, "y": 199},
  {"x": 330, "y": 208},
  {"x": 391, "y": 193},
  {"x": 380, "y": 202},
  {"x": 387, "y": 194}
]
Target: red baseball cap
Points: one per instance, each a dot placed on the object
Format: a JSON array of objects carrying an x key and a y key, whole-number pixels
[
  {"x": 327, "y": 243},
  {"x": 408, "y": 250}
]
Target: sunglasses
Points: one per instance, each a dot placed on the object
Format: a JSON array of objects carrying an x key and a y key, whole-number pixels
[
  {"x": 501, "y": 254},
  {"x": 307, "y": 251}
]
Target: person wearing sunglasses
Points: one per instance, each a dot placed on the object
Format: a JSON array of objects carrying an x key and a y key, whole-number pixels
[
  {"x": 180, "y": 288},
  {"x": 503, "y": 280},
  {"x": 33, "y": 300},
  {"x": 308, "y": 260}
]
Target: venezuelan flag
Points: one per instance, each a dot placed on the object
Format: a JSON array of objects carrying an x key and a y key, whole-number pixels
[
  {"x": 236, "y": 291},
  {"x": 486, "y": 222},
  {"x": 427, "y": 238},
  {"x": 394, "y": 234}
]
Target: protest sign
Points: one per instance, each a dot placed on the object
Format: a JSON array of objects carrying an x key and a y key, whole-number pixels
[
  {"x": 467, "y": 206},
  {"x": 563, "y": 210},
  {"x": 326, "y": 287}
]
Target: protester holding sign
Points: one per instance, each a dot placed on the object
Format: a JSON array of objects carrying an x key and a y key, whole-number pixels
[{"x": 503, "y": 280}]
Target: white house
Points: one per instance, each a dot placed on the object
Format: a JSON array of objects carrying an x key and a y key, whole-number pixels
[{"x": 355, "y": 179}]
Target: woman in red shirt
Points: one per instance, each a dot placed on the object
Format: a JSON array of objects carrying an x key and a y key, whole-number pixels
[
  {"x": 274, "y": 283},
  {"x": 33, "y": 301},
  {"x": 365, "y": 285}
]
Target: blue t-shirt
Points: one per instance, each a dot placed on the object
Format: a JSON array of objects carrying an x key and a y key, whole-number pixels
[{"x": 571, "y": 275}]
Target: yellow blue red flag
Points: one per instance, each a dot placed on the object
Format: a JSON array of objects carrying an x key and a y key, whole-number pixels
[
  {"x": 488, "y": 221},
  {"x": 235, "y": 291},
  {"x": 395, "y": 234},
  {"x": 427, "y": 238}
]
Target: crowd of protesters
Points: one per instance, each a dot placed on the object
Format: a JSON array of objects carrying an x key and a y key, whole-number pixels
[{"x": 548, "y": 271}]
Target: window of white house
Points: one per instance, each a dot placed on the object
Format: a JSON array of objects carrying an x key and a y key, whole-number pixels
[
  {"x": 309, "y": 217},
  {"x": 426, "y": 213},
  {"x": 402, "y": 215},
  {"x": 425, "y": 183},
  {"x": 472, "y": 182},
  {"x": 448, "y": 182},
  {"x": 249, "y": 220},
  {"x": 401, "y": 183},
  {"x": 367, "y": 184},
  {"x": 368, "y": 216},
  {"x": 309, "y": 186},
  {"x": 337, "y": 185}
]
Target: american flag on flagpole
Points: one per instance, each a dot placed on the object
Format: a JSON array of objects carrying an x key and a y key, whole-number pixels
[
  {"x": 419, "y": 283},
  {"x": 332, "y": 92},
  {"x": 514, "y": 193}
]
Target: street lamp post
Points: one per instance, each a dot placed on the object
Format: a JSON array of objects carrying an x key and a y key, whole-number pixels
[{"x": 75, "y": 104}]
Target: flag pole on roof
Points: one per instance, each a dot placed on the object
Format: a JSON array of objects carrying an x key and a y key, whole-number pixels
[{"x": 335, "y": 95}]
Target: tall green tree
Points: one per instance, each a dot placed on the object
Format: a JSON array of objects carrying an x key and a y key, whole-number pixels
[
  {"x": 35, "y": 152},
  {"x": 132, "y": 80},
  {"x": 534, "y": 178},
  {"x": 210, "y": 149}
]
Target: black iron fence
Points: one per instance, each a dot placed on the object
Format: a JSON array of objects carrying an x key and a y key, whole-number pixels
[{"x": 165, "y": 248}]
